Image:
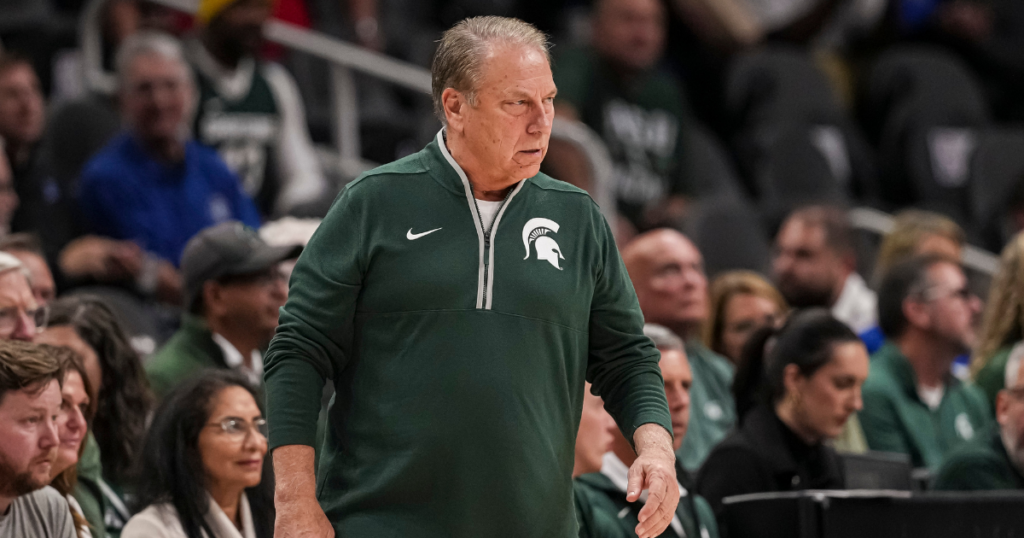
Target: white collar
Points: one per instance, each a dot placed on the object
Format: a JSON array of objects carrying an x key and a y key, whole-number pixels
[
  {"x": 223, "y": 527},
  {"x": 857, "y": 305},
  {"x": 615, "y": 470},
  {"x": 231, "y": 84},
  {"x": 234, "y": 359}
]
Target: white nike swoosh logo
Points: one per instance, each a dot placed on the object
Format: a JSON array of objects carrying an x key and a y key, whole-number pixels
[{"x": 412, "y": 237}]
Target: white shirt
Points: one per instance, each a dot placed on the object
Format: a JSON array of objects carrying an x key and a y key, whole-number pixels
[
  {"x": 488, "y": 210},
  {"x": 857, "y": 305},
  {"x": 234, "y": 360},
  {"x": 161, "y": 521},
  {"x": 616, "y": 471},
  {"x": 932, "y": 397}
]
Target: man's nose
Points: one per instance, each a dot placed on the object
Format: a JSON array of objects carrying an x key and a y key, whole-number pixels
[
  {"x": 26, "y": 329},
  {"x": 50, "y": 437},
  {"x": 541, "y": 120}
]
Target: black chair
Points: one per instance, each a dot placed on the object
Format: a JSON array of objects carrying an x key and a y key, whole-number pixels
[
  {"x": 997, "y": 178},
  {"x": 729, "y": 235}
]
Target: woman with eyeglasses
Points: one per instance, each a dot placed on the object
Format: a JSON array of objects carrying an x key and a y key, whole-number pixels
[{"x": 203, "y": 462}]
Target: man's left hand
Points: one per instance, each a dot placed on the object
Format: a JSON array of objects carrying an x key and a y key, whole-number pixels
[{"x": 654, "y": 470}]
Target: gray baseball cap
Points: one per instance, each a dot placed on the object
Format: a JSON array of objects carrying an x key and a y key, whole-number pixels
[{"x": 227, "y": 249}]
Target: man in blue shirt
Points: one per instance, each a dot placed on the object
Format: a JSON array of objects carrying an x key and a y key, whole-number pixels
[{"x": 151, "y": 185}]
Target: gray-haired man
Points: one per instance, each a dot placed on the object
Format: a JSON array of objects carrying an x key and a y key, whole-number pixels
[{"x": 458, "y": 308}]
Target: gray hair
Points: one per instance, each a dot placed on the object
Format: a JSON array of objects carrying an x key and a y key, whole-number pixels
[
  {"x": 148, "y": 43},
  {"x": 663, "y": 338},
  {"x": 462, "y": 50},
  {"x": 8, "y": 262}
]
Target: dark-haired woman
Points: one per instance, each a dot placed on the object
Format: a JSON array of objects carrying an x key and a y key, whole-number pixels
[
  {"x": 72, "y": 427},
  {"x": 87, "y": 326},
  {"x": 203, "y": 461},
  {"x": 796, "y": 388}
]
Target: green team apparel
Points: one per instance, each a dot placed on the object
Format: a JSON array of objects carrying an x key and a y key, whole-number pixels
[
  {"x": 641, "y": 121},
  {"x": 713, "y": 409},
  {"x": 187, "y": 354},
  {"x": 983, "y": 465},
  {"x": 458, "y": 353},
  {"x": 244, "y": 132},
  {"x": 604, "y": 512},
  {"x": 992, "y": 377},
  {"x": 896, "y": 420}
]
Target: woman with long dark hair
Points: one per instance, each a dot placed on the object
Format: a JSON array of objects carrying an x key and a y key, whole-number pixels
[
  {"x": 72, "y": 427},
  {"x": 204, "y": 464},
  {"x": 795, "y": 389},
  {"x": 122, "y": 406}
]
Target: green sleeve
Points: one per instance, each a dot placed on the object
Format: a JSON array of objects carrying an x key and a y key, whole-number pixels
[
  {"x": 314, "y": 336},
  {"x": 623, "y": 363},
  {"x": 878, "y": 420}
]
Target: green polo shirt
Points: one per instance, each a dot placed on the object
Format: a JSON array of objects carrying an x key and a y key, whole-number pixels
[
  {"x": 983, "y": 465},
  {"x": 87, "y": 489},
  {"x": 712, "y": 407},
  {"x": 896, "y": 420}
]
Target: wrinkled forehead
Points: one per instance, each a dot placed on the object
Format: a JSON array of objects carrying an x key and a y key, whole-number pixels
[{"x": 511, "y": 68}]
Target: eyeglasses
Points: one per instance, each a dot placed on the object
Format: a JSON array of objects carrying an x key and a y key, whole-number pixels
[
  {"x": 12, "y": 315},
  {"x": 936, "y": 292},
  {"x": 238, "y": 428},
  {"x": 263, "y": 278}
]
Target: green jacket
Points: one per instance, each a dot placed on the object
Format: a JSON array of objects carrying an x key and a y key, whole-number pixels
[
  {"x": 992, "y": 377},
  {"x": 983, "y": 465},
  {"x": 458, "y": 356},
  {"x": 896, "y": 420},
  {"x": 190, "y": 351},
  {"x": 712, "y": 404},
  {"x": 603, "y": 512},
  {"x": 87, "y": 490}
]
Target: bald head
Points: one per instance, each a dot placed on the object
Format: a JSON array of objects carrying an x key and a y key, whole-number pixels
[{"x": 667, "y": 272}]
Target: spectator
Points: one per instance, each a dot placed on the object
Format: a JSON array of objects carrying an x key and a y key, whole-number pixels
[
  {"x": 233, "y": 291},
  {"x": 595, "y": 435},
  {"x": 1002, "y": 323},
  {"x": 46, "y": 205},
  {"x": 88, "y": 326},
  {"x": 916, "y": 232},
  {"x": 150, "y": 185},
  {"x": 30, "y": 401},
  {"x": 996, "y": 461},
  {"x": 72, "y": 426},
  {"x": 616, "y": 88},
  {"x": 667, "y": 272},
  {"x": 741, "y": 303},
  {"x": 601, "y": 503},
  {"x": 795, "y": 390},
  {"x": 20, "y": 316},
  {"x": 9, "y": 200},
  {"x": 27, "y": 248},
  {"x": 250, "y": 111},
  {"x": 912, "y": 403},
  {"x": 815, "y": 266},
  {"x": 204, "y": 464}
]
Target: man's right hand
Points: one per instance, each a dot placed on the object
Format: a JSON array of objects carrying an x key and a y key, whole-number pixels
[{"x": 298, "y": 512}]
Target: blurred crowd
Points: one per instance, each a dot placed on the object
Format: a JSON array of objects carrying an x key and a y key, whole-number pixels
[{"x": 146, "y": 239}]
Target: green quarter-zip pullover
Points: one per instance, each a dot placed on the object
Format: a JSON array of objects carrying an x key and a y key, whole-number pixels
[{"x": 458, "y": 351}]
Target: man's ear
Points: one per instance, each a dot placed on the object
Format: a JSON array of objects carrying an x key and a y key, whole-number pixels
[
  {"x": 916, "y": 312},
  {"x": 212, "y": 297},
  {"x": 1002, "y": 407},
  {"x": 454, "y": 104}
]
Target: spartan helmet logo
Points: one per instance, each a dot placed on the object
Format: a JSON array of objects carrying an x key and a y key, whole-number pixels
[{"x": 536, "y": 231}]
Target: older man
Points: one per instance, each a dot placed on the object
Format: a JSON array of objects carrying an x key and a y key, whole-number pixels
[
  {"x": 30, "y": 401},
  {"x": 912, "y": 403},
  {"x": 604, "y": 511},
  {"x": 458, "y": 298},
  {"x": 668, "y": 275},
  {"x": 996, "y": 460},
  {"x": 151, "y": 185},
  {"x": 20, "y": 314}
]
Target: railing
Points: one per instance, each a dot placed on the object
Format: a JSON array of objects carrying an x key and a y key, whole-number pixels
[{"x": 344, "y": 58}]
